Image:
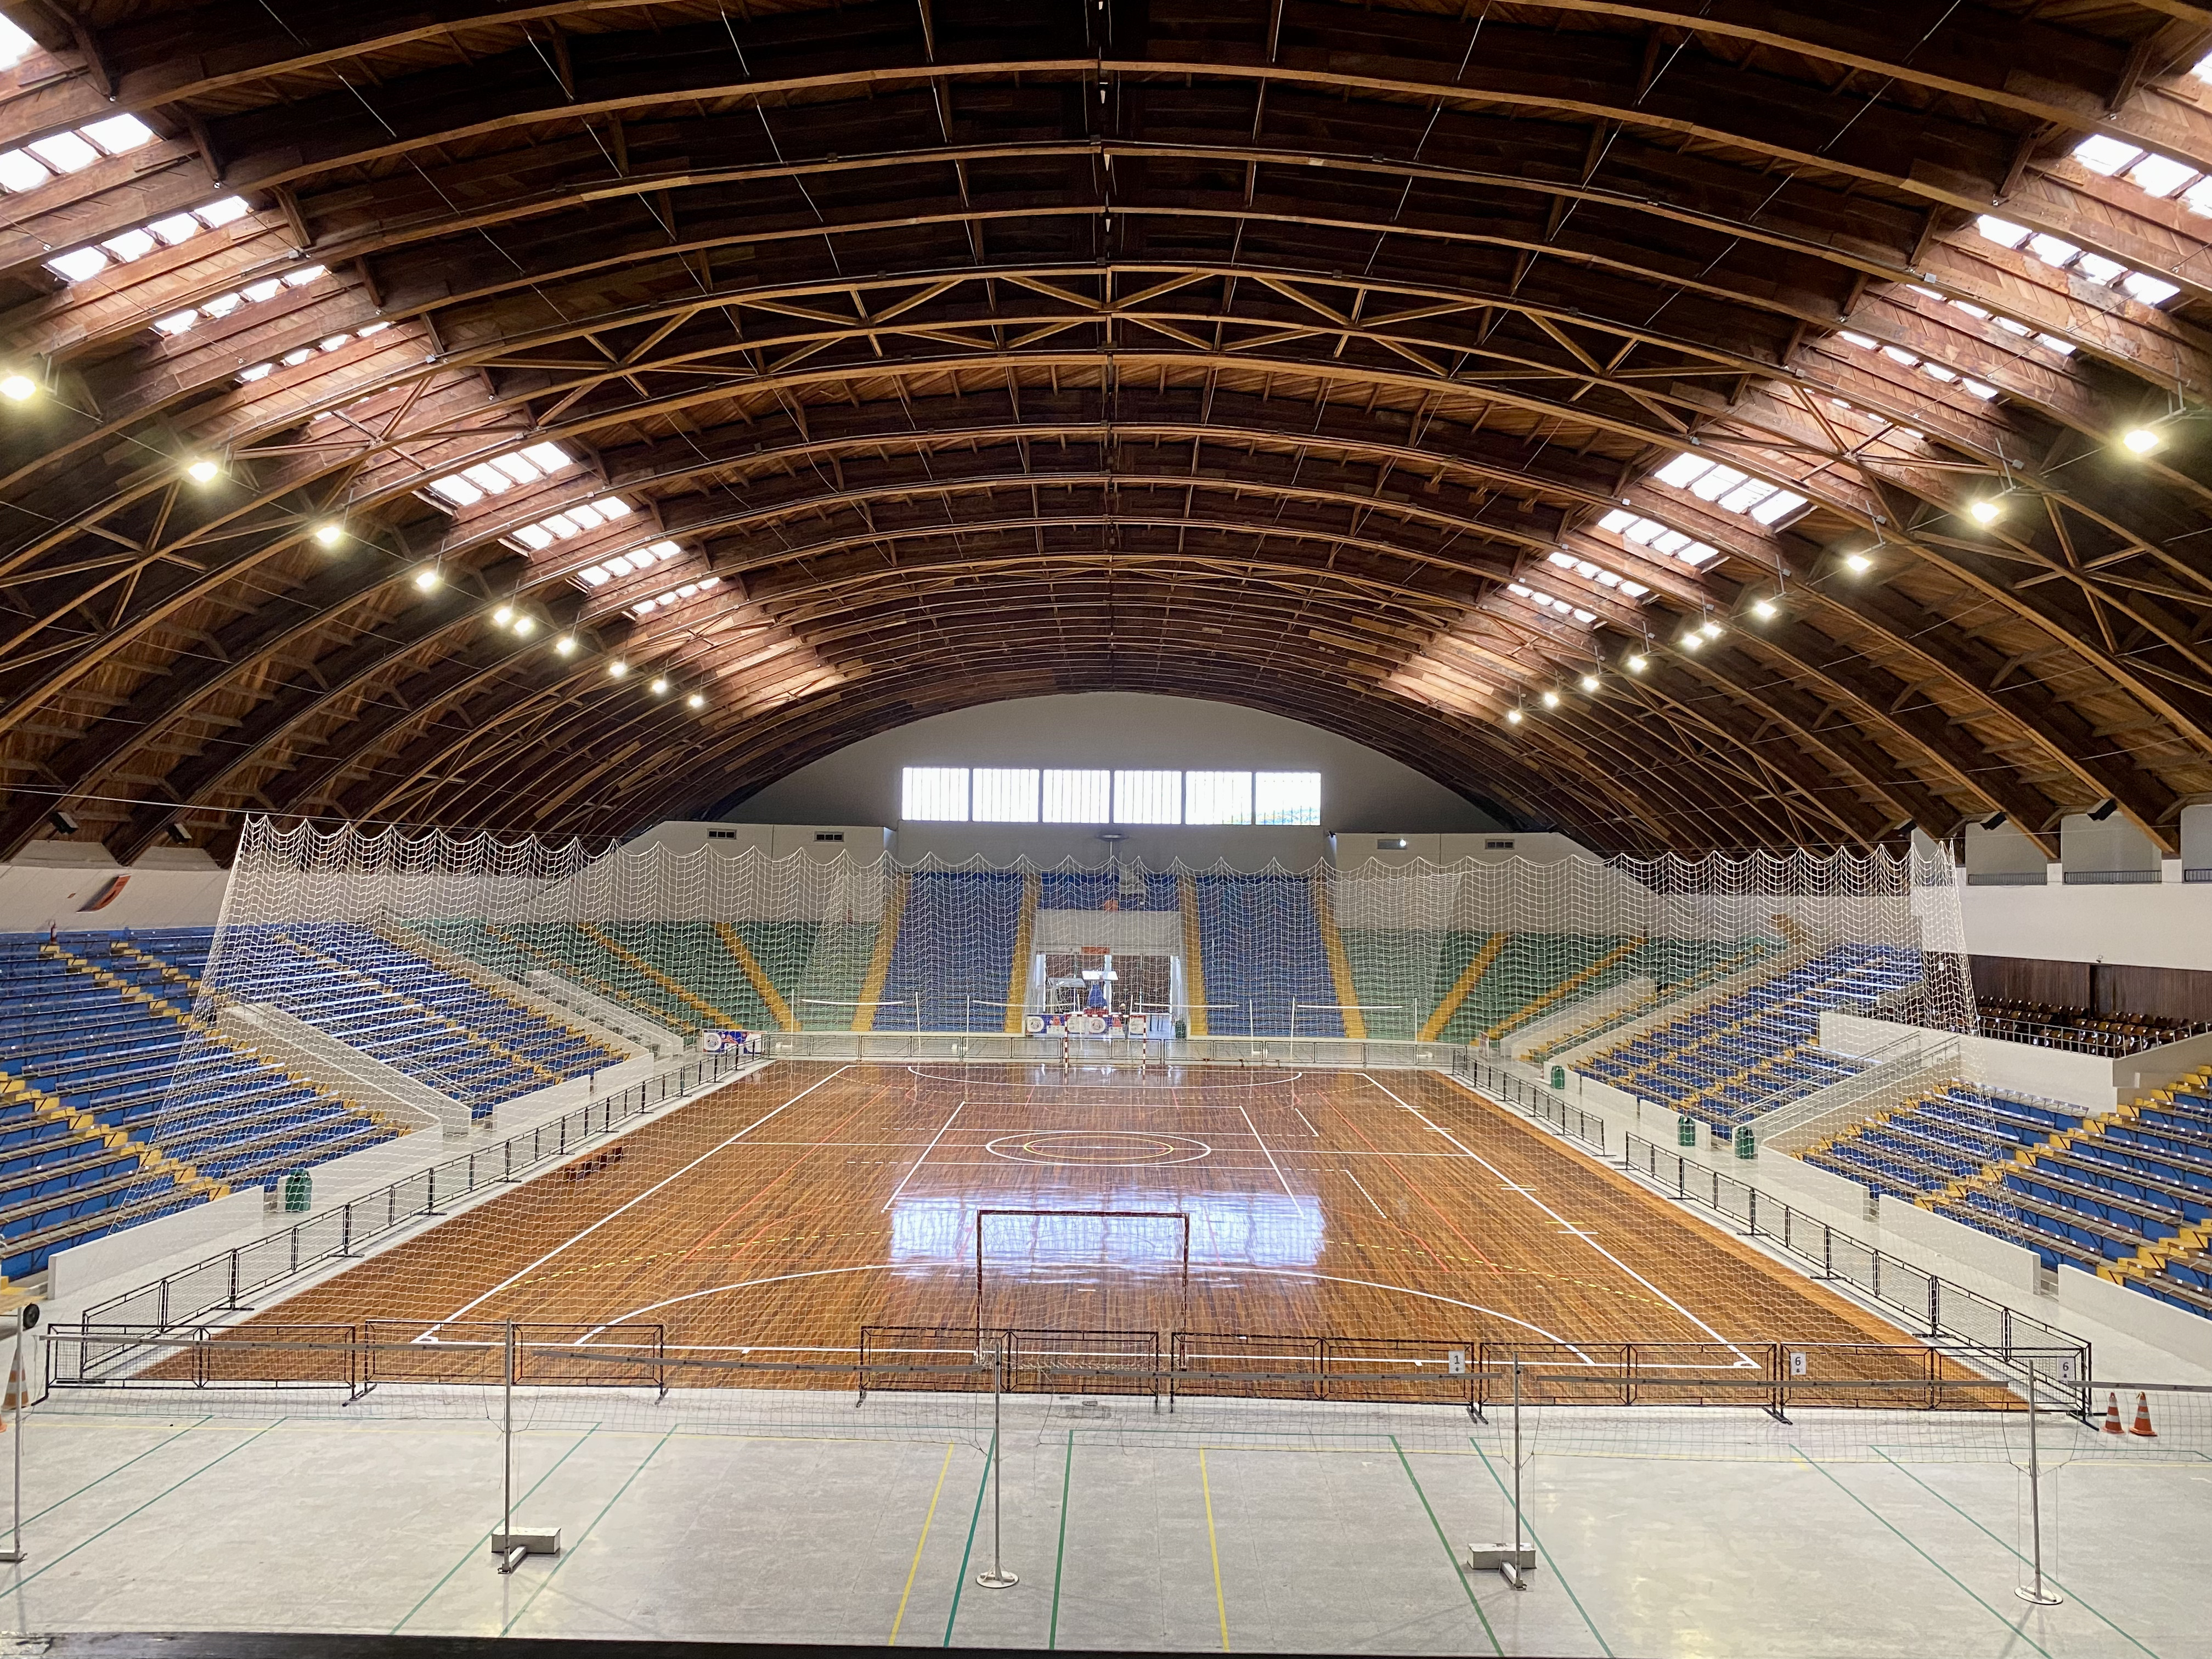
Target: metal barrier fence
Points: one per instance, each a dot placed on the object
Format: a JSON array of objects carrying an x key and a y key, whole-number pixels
[
  {"x": 1934, "y": 1307},
  {"x": 220, "y": 1283},
  {"x": 1469, "y": 1375},
  {"x": 1323, "y": 1054},
  {"x": 1533, "y": 1098}
]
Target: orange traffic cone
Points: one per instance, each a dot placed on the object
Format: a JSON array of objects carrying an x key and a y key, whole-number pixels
[
  {"x": 2142, "y": 1419},
  {"x": 2112, "y": 1414}
]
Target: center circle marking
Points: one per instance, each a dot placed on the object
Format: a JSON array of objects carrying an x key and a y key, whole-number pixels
[{"x": 1096, "y": 1147}]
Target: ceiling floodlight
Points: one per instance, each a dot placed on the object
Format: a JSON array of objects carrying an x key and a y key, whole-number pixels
[
  {"x": 1694, "y": 642},
  {"x": 1985, "y": 511},
  {"x": 566, "y": 645},
  {"x": 18, "y": 388},
  {"x": 1857, "y": 563},
  {"x": 696, "y": 701},
  {"x": 504, "y": 615},
  {"x": 618, "y": 668},
  {"x": 427, "y": 578},
  {"x": 202, "y": 470},
  {"x": 2140, "y": 441},
  {"x": 524, "y": 626},
  {"x": 1590, "y": 682},
  {"x": 1711, "y": 630},
  {"x": 660, "y": 688},
  {"x": 1638, "y": 664},
  {"x": 1551, "y": 700},
  {"x": 1763, "y": 609},
  {"x": 1513, "y": 717},
  {"x": 329, "y": 533}
]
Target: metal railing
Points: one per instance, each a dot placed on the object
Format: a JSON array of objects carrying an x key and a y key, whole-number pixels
[
  {"x": 1934, "y": 1309},
  {"x": 1495, "y": 1080},
  {"x": 1466, "y": 1372},
  {"x": 220, "y": 1283}
]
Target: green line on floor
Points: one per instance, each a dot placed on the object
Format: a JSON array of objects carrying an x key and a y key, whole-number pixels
[
  {"x": 117, "y": 1469},
  {"x": 1993, "y": 1538},
  {"x": 1900, "y": 1532},
  {"x": 483, "y": 1540},
  {"x": 920, "y": 1544},
  {"x": 1060, "y": 1555},
  {"x": 141, "y": 1509},
  {"x": 1505, "y": 1492},
  {"x": 960, "y": 1584},
  {"x": 1448, "y": 1555},
  {"x": 568, "y": 1551}
]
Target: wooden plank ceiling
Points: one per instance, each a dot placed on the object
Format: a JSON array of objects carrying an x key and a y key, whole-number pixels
[{"x": 1336, "y": 360}]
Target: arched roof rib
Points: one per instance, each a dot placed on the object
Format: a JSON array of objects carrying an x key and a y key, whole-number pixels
[{"x": 1330, "y": 359}]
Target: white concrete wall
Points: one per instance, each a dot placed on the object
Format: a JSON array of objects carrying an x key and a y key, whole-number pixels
[
  {"x": 47, "y": 887},
  {"x": 2089, "y": 1081},
  {"x": 860, "y": 784},
  {"x": 2167, "y": 926}
]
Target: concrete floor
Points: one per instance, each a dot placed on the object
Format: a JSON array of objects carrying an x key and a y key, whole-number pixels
[{"x": 1245, "y": 1527}]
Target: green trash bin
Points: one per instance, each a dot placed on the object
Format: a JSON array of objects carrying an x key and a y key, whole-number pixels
[
  {"x": 1686, "y": 1130},
  {"x": 299, "y": 1190},
  {"x": 1559, "y": 1077},
  {"x": 1747, "y": 1145}
]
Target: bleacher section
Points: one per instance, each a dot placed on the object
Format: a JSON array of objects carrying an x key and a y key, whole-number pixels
[
  {"x": 394, "y": 1006},
  {"x": 94, "y": 1029},
  {"x": 955, "y": 951},
  {"x": 2125, "y": 1194},
  {"x": 1749, "y": 1053},
  {"x": 1260, "y": 939}
]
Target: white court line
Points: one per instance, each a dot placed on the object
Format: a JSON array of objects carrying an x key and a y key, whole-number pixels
[
  {"x": 1211, "y": 1266},
  {"x": 1308, "y": 1122},
  {"x": 924, "y": 1158},
  {"x": 1369, "y": 1196},
  {"x": 576, "y": 1237},
  {"x": 1270, "y": 1156},
  {"x": 1565, "y": 1225}
]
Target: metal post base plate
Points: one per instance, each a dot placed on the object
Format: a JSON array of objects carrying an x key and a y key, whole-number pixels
[
  {"x": 1513, "y": 1566},
  {"x": 531, "y": 1540},
  {"x": 2034, "y": 1597},
  {"x": 998, "y": 1580}
]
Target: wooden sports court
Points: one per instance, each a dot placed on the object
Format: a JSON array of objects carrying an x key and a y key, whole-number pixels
[{"x": 782, "y": 1215}]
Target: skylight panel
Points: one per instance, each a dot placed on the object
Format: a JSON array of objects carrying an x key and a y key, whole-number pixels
[
  {"x": 1780, "y": 505},
  {"x": 612, "y": 506},
  {"x": 1681, "y": 469},
  {"x": 596, "y": 576},
  {"x": 1667, "y": 541},
  {"x": 259, "y": 371},
  {"x": 21, "y": 171},
  {"x": 303, "y": 275},
  {"x": 177, "y": 227},
  {"x": 259, "y": 293},
  {"x": 2054, "y": 250},
  {"x": 2098, "y": 269},
  {"x": 1005, "y": 794},
  {"x": 1698, "y": 553},
  {"x": 2105, "y": 156},
  {"x": 1899, "y": 355},
  {"x": 333, "y": 342},
  {"x": 2160, "y": 175},
  {"x": 562, "y": 526},
  {"x": 1939, "y": 372},
  {"x": 177, "y": 322},
  {"x": 2012, "y": 327},
  {"x": 15, "y": 45},
  {"x": 585, "y": 517},
  {"x": 664, "y": 550},
  {"x": 1861, "y": 340},
  {"x": 2201, "y": 69},
  {"x": 118, "y": 135},
  {"x": 130, "y": 246},
  {"x": 457, "y": 489},
  {"x": 65, "y": 152},
  {"x": 547, "y": 457},
  {"x": 1980, "y": 389},
  {"x": 2002, "y": 232},
  {"x": 534, "y": 537},
  {"x": 2051, "y": 343},
  {"x": 518, "y": 469},
  {"x": 1718, "y": 482},
  {"x": 80, "y": 265},
  {"x": 2147, "y": 289},
  {"x": 294, "y": 359},
  {"x": 217, "y": 214},
  {"x": 488, "y": 479},
  {"x": 1617, "y": 520}
]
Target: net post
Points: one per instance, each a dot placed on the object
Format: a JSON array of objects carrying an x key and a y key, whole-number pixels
[{"x": 998, "y": 1578}]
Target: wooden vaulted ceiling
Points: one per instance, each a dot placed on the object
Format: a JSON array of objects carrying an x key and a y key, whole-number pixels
[{"x": 1271, "y": 351}]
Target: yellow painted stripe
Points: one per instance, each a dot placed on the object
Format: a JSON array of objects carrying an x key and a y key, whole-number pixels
[
  {"x": 1433, "y": 1026},
  {"x": 1018, "y": 977},
  {"x": 1565, "y": 988},
  {"x": 891, "y": 1641},
  {"x": 1213, "y": 1549},
  {"x": 1193, "y": 964},
  {"x": 1340, "y": 965},
  {"x": 880, "y": 962},
  {"x": 712, "y": 1015},
  {"x": 733, "y": 942}
]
